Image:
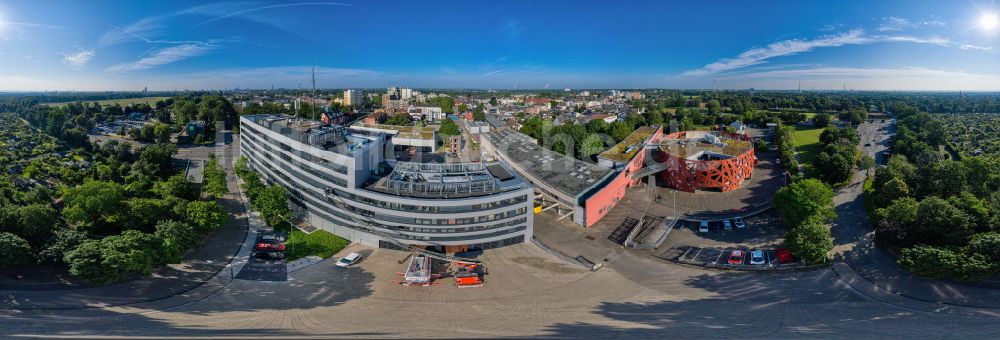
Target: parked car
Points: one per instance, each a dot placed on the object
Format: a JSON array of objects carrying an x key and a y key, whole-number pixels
[
  {"x": 348, "y": 260},
  {"x": 727, "y": 225},
  {"x": 736, "y": 257},
  {"x": 264, "y": 245},
  {"x": 739, "y": 222},
  {"x": 785, "y": 256},
  {"x": 703, "y": 227},
  {"x": 757, "y": 257},
  {"x": 269, "y": 255}
]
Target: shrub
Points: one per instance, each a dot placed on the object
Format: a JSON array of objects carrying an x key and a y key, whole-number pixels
[
  {"x": 14, "y": 250},
  {"x": 175, "y": 238},
  {"x": 205, "y": 215},
  {"x": 929, "y": 261},
  {"x": 114, "y": 258}
]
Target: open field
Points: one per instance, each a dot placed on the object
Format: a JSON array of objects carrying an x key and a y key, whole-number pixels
[
  {"x": 122, "y": 102},
  {"x": 807, "y": 145}
]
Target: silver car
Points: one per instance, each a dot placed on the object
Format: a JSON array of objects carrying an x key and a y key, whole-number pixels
[{"x": 757, "y": 257}]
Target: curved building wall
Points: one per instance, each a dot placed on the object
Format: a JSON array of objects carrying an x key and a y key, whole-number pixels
[
  {"x": 484, "y": 221},
  {"x": 690, "y": 175}
]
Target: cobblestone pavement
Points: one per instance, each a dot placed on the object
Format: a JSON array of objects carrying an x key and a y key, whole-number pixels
[{"x": 527, "y": 293}]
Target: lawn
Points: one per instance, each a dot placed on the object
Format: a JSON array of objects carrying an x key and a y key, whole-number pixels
[
  {"x": 123, "y": 102},
  {"x": 806, "y": 141},
  {"x": 319, "y": 243}
]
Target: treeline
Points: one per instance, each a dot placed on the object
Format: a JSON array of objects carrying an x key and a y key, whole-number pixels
[
  {"x": 269, "y": 200},
  {"x": 60, "y": 97},
  {"x": 942, "y": 214},
  {"x": 128, "y": 216}
]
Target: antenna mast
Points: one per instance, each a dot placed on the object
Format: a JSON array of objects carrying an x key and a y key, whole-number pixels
[{"x": 313, "y": 104}]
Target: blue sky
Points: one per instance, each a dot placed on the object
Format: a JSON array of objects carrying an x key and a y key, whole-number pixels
[{"x": 166, "y": 45}]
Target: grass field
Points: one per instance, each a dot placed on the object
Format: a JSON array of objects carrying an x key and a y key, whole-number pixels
[
  {"x": 122, "y": 102},
  {"x": 319, "y": 243},
  {"x": 806, "y": 141}
]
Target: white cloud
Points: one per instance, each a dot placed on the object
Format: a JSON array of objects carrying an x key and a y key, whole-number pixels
[
  {"x": 977, "y": 48},
  {"x": 164, "y": 56},
  {"x": 760, "y": 55},
  {"x": 782, "y": 48},
  {"x": 895, "y": 24},
  {"x": 890, "y": 24},
  {"x": 79, "y": 59}
]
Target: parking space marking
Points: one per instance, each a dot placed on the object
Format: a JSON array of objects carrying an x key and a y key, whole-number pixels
[
  {"x": 699, "y": 253},
  {"x": 720, "y": 256}
]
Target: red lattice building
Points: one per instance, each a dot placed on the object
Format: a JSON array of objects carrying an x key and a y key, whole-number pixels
[{"x": 698, "y": 160}]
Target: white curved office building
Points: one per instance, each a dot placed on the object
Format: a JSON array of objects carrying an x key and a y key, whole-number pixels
[{"x": 328, "y": 169}]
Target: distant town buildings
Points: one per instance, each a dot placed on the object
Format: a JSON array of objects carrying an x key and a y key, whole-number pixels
[{"x": 352, "y": 98}]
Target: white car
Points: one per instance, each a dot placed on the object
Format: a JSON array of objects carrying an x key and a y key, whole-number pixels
[
  {"x": 703, "y": 227},
  {"x": 727, "y": 225},
  {"x": 738, "y": 221},
  {"x": 348, "y": 260},
  {"x": 757, "y": 257}
]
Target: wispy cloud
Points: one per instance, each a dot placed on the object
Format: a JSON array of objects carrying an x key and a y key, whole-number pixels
[
  {"x": 890, "y": 24},
  {"x": 226, "y": 10},
  {"x": 78, "y": 59},
  {"x": 511, "y": 30},
  {"x": 760, "y": 55},
  {"x": 164, "y": 56},
  {"x": 28, "y": 24},
  {"x": 782, "y": 48},
  {"x": 977, "y": 48}
]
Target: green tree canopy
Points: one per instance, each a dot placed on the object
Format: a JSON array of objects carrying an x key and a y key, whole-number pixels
[
  {"x": 14, "y": 250},
  {"x": 804, "y": 199}
]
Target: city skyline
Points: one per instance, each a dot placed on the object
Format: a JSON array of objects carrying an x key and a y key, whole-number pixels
[{"x": 505, "y": 45}]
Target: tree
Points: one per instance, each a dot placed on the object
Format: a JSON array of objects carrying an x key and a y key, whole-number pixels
[
  {"x": 686, "y": 124},
  {"x": 174, "y": 186},
  {"x": 273, "y": 205},
  {"x": 833, "y": 168},
  {"x": 14, "y": 250},
  {"x": 215, "y": 178},
  {"x": 866, "y": 162},
  {"x": 940, "y": 223},
  {"x": 94, "y": 202},
  {"x": 37, "y": 223},
  {"x": 821, "y": 120},
  {"x": 620, "y": 130},
  {"x": 480, "y": 112},
  {"x": 175, "y": 238},
  {"x": 895, "y": 222},
  {"x": 449, "y": 128},
  {"x": 144, "y": 213},
  {"x": 114, "y": 258},
  {"x": 205, "y": 215},
  {"x": 805, "y": 199},
  {"x": 810, "y": 241},
  {"x": 986, "y": 244},
  {"x": 63, "y": 241},
  {"x": 161, "y": 133},
  {"x": 714, "y": 107}
]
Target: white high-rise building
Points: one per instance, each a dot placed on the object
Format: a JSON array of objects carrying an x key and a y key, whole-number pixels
[
  {"x": 405, "y": 93},
  {"x": 352, "y": 98}
]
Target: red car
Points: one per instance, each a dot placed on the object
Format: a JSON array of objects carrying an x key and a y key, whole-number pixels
[
  {"x": 736, "y": 257},
  {"x": 785, "y": 256},
  {"x": 268, "y": 246}
]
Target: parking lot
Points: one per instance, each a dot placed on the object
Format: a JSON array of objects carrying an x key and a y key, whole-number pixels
[{"x": 720, "y": 258}]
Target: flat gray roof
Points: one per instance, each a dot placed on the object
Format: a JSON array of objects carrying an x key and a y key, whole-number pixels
[{"x": 566, "y": 174}]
